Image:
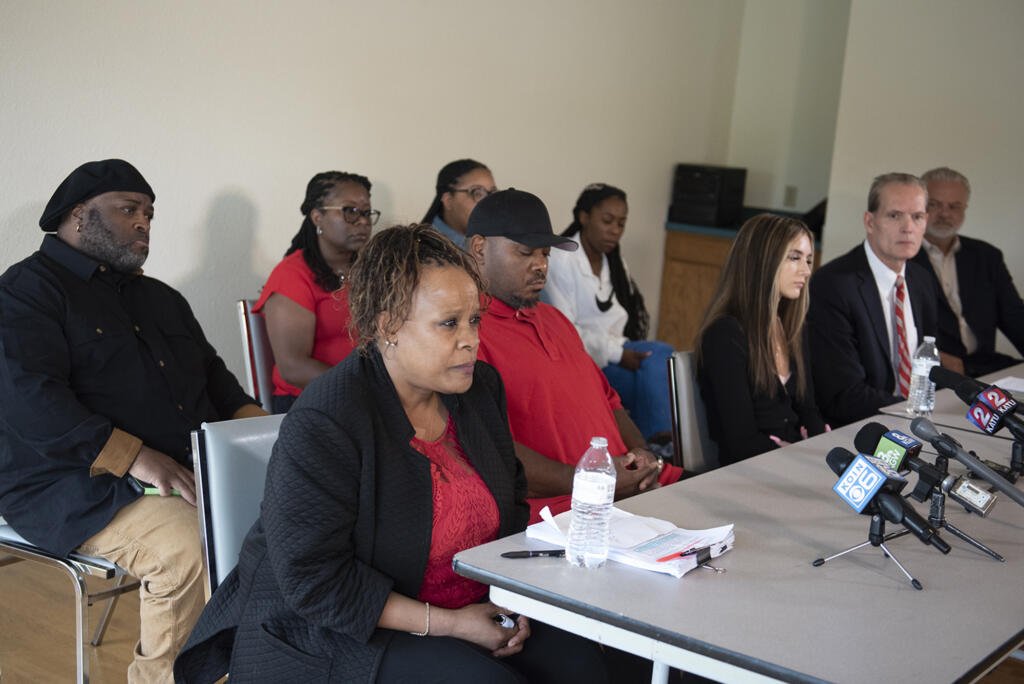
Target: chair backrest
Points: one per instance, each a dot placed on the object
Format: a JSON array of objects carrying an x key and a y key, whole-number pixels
[
  {"x": 259, "y": 357},
  {"x": 699, "y": 453},
  {"x": 230, "y": 459}
]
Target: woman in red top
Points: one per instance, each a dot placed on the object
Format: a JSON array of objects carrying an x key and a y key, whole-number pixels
[
  {"x": 387, "y": 465},
  {"x": 305, "y": 300}
]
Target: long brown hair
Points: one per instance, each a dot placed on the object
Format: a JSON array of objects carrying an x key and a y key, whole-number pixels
[{"x": 748, "y": 290}]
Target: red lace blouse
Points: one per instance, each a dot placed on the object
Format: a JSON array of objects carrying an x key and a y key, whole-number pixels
[{"x": 465, "y": 515}]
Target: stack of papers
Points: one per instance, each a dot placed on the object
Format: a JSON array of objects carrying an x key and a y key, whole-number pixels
[{"x": 647, "y": 543}]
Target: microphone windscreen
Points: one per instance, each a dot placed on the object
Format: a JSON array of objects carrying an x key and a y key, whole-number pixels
[
  {"x": 868, "y": 436},
  {"x": 943, "y": 377},
  {"x": 839, "y": 459},
  {"x": 924, "y": 428}
]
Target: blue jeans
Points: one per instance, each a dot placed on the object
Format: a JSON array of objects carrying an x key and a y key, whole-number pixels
[{"x": 645, "y": 392}]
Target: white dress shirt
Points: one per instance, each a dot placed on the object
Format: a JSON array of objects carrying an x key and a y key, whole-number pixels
[
  {"x": 573, "y": 289},
  {"x": 944, "y": 266},
  {"x": 885, "y": 280}
]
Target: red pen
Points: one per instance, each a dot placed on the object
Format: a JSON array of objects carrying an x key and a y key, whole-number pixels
[{"x": 688, "y": 551}]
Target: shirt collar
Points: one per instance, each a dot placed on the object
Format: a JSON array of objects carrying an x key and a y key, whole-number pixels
[
  {"x": 884, "y": 276},
  {"x": 500, "y": 309},
  {"x": 935, "y": 251},
  {"x": 455, "y": 236},
  {"x": 70, "y": 258}
]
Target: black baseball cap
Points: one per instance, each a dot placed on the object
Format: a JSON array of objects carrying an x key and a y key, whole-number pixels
[
  {"x": 88, "y": 180},
  {"x": 518, "y": 216}
]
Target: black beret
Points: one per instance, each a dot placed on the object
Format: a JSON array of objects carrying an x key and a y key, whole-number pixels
[{"x": 88, "y": 180}]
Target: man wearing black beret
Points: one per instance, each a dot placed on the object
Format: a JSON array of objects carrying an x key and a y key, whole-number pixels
[{"x": 103, "y": 374}]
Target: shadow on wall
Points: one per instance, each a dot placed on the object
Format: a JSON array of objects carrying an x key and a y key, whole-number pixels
[
  {"x": 225, "y": 274},
  {"x": 20, "y": 234}
]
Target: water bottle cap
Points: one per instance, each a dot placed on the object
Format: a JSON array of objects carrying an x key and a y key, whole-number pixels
[
  {"x": 599, "y": 442},
  {"x": 929, "y": 338}
]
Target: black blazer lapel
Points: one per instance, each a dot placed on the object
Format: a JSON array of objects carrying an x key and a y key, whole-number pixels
[{"x": 868, "y": 290}]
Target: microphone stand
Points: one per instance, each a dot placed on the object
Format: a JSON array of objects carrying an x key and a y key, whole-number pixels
[
  {"x": 876, "y": 537},
  {"x": 937, "y": 511}
]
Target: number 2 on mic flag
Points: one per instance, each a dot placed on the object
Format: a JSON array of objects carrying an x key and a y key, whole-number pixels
[{"x": 982, "y": 415}]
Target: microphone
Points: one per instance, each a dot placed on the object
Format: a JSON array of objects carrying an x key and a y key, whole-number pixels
[
  {"x": 892, "y": 446},
  {"x": 990, "y": 408},
  {"x": 949, "y": 447},
  {"x": 895, "y": 508},
  {"x": 863, "y": 477},
  {"x": 900, "y": 451},
  {"x": 871, "y": 487}
]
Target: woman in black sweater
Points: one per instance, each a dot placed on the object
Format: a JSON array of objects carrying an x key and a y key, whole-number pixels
[
  {"x": 387, "y": 465},
  {"x": 752, "y": 359}
]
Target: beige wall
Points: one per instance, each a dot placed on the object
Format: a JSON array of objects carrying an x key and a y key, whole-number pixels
[
  {"x": 228, "y": 108},
  {"x": 787, "y": 95}
]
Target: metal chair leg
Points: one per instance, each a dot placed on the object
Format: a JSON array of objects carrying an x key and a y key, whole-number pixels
[
  {"x": 81, "y": 622},
  {"x": 101, "y": 629}
]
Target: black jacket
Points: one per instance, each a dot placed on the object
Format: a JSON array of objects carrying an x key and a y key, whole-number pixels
[
  {"x": 346, "y": 519},
  {"x": 989, "y": 300},
  {"x": 84, "y": 350},
  {"x": 850, "y": 354},
  {"x": 738, "y": 419}
]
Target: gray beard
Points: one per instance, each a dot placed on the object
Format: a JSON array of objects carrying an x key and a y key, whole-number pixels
[
  {"x": 98, "y": 241},
  {"x": 940, "y": 233}
]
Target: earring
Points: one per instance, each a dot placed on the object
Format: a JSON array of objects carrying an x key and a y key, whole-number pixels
[
  {"x": 319, "y": 230},
  {"x": 389, "y": 343},
  {"x": 78, "y": 228}
]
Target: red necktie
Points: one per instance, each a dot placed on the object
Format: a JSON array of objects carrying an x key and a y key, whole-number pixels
[{"x": 903, "y": 368}]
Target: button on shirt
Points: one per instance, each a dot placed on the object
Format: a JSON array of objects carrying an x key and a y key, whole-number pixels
[
  {"x": 89, "y": 359},
  {"x": 944, "y": 266},
  {"x": 885, "y": 279}
]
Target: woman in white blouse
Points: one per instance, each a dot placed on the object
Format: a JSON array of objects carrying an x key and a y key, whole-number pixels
[{"x": 592, "y": 287}]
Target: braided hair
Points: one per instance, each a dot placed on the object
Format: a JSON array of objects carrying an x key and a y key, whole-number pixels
[
  {"x": 386, "y": 278},
  {"x": 447, "y": 177},
  {"x": 317, "y": 190},
  {"x": 623, "y": 285}
]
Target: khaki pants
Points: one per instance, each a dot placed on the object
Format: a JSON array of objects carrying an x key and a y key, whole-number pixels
[{"x": 156, "y": 539}]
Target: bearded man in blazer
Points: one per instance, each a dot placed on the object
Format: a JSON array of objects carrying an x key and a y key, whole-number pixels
[
  {"x": 852, "y": 322},
  {"x": 976, "y": 294}
]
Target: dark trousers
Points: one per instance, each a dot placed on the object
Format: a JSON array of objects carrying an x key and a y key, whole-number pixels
[{"x": 549, "y": 655}]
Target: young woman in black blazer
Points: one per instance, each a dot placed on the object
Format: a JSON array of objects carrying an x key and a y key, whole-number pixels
[
  {"x": 387, "y": 465},
  {"x": 753, "y": 365}
]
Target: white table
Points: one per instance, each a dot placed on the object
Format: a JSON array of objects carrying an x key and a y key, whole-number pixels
[
  {"x": 951, "y": 411},
  {"x": 772, "y": 616}
]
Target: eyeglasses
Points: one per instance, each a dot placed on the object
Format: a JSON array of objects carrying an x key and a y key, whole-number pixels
[
  {"x": 352, "y": 214},
  {"x": 477, "y": 192}
]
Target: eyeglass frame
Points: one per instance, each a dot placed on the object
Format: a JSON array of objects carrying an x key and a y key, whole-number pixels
[
  {"x": 470, "y": 191},
  {"x": 372, "y": 215}
]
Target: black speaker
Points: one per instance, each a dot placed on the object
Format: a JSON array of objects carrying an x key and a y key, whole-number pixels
[{"x": 706, "y": 195}]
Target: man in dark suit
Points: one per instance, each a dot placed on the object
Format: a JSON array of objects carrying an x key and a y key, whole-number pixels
[
  {"x": 975, "y": 291},
  {"x": 871, "y": 307}
]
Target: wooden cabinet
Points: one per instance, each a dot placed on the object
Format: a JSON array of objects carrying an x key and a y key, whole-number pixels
[{"x": 693, "y": 264}]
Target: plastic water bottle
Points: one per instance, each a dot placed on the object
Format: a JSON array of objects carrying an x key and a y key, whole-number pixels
[
  {"x": 921, "y": 401},
  {"x": 593, "y": 493}
]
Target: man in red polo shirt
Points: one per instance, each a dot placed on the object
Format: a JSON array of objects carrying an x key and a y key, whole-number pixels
[{"x": 557, "y": 397}]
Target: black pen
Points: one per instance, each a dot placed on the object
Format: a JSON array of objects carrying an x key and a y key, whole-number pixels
[{"x": 552, "y": 553}]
